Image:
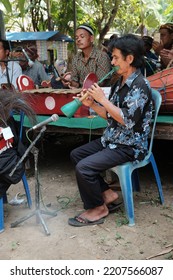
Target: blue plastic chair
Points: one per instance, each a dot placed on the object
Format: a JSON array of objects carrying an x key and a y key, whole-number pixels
[
  {"x": 1, "y": 215},
  {"x": 25, "y": 184},
  {"x": 127, "y": 173}
]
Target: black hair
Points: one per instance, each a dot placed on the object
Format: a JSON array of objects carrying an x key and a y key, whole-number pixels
[
  {"x": 130, "y": 44},
  {"x": 147, "y": 40},
  {"x": 5, "y": 44}
]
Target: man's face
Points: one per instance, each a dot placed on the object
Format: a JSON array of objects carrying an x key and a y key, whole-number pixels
[
  {"x": 166, "y": 38},
  {"x": 3, "y": 53},
  {"x": 83, "y": 39},
  {"x": 23, "y": 63},
  {"x": 119, "y": 60}
]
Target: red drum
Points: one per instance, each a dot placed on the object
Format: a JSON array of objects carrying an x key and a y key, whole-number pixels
[
  {"x": 48, "y": 101},
  {"x": 163, "y": 82}
]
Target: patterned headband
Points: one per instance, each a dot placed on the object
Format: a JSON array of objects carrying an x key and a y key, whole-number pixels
[
  {"x": 168, "y": 26},
  {"x": 87, "y": 28}
]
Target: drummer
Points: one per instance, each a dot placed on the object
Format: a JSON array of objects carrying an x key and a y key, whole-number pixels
[
  {"x": 166, "y": 43},
  {"x": 88, "y": 59}
]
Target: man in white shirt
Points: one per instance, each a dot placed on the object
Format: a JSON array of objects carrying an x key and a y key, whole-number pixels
[{"x": 9, "y": 70}]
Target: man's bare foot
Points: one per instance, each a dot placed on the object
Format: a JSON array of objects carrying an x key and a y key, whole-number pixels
[
  {"x": 109, "y": 196},
  {"x": 95, "y": 214}
]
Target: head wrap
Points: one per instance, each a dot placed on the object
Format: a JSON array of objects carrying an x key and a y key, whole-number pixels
[
  {"x": 87, "y": 28},
  {"x": 168, "y": 26}
]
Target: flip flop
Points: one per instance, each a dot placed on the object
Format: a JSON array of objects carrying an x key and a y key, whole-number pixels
[
  {"x": 112, "y": 207},
  {"x": 84, "y": 222}
]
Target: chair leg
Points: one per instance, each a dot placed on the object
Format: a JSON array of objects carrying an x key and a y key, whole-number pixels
[
  {"x": 1, "y": 215},
  {"x": 24, "y": 180},
  {"x": 5, "y": 200},
  {"x": 22, "y": 116},
  {"x": 135, "y": 181},
  {"x": 27, "y": 191},
  {"x": 124, "y": 176},
  {"x": 157, "y": 176}
]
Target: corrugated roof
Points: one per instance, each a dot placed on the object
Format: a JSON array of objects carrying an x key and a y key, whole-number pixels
[{"x": 37, "y": 36}]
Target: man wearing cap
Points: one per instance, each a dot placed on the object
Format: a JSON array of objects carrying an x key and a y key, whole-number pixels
[
  {"x": 35, "y": 70},
  {"x": 89, "y": 59},
  {"x": 166, "y": 43}
]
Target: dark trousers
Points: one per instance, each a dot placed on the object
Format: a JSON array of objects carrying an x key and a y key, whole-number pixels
[
  {"x": 3, "y": 187},
  {"x": 90, "y": 160}
]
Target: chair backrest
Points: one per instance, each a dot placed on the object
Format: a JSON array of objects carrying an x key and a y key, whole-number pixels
[
  {"x": 24, "y": 82},
  {"x": 157, "y": 100}
]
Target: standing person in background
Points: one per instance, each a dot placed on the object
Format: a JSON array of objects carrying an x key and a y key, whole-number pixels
[
  {"x": 89, "y": 59},
  {"x": 36, "y": 71},
  {"x": 129, "y": 113},
  {"x": 10, "y": 70},
  {"x": 166, "y": 43}
]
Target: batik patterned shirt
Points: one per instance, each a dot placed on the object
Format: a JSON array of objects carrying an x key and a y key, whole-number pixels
[
  {"x": 98, "y": 62},
  {"x": 134, "y": 100}
]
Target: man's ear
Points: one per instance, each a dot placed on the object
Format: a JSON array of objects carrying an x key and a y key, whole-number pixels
[
  {"x": 7, "y": 52},
  {"x": 92, "y": 38},
  {"x": 130, "y": 58}
]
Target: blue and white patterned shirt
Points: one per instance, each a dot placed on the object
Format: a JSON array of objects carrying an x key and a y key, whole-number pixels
[{"x": 134, "y": 100}]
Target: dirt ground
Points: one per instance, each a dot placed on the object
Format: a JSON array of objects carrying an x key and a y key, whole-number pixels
[{"x": 151, "y": 237}]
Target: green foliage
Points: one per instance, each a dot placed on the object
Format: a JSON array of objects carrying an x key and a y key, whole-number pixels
[
  {"x": 124, "y": 16},
  {"x": 21, "y": 5},
  {"x": 128, "y": 17},
  {"x": 7, "y": 5}
]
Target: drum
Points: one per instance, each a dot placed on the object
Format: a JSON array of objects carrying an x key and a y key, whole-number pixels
[
  {"x": 48, "y": 101},
  {"x": 163, "y": 82}
]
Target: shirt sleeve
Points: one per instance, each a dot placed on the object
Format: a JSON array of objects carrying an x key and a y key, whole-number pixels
[
  {"x": 74, "y": 71},
  {"x": 103, "y": 65},
  {"x": 42, "y": 74}
]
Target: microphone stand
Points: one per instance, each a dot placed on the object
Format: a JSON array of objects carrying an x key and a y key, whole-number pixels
[{"x": 37, "y": 212}]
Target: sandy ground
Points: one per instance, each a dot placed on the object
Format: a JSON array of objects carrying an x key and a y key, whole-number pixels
[{"x": 113, "y": 240}]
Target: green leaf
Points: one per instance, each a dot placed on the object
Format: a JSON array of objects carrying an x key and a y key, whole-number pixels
[
  {"x": 21, "y": 4},
  {"x": 7, "y": 5}
]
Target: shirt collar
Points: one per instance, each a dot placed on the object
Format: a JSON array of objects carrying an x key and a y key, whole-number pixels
[
  {"x": 132, "y": 77},
  {"x": 92, "y": 54}
]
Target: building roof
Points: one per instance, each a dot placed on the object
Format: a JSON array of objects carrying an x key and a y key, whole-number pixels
[{"x": 38, "y": 36}]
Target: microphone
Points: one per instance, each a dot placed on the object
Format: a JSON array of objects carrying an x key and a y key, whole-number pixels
[
  {"x": 30, "y": 62},
  {"x": 53, "y": 118}
]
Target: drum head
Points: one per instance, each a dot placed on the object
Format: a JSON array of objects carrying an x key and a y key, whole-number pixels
[{"x": 90, "y": 79}]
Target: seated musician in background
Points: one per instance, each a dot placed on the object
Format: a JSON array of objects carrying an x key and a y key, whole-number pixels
[
  {"x": 10, "y": 70},
  {"x": 35, "y": 70},
  {"x": 151, "y": 59},
  {"x": 60, "y": 76},
  {"x": 88, "y": 59},
  {"x": 166, "y": 43}
]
